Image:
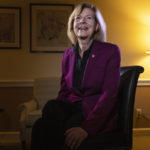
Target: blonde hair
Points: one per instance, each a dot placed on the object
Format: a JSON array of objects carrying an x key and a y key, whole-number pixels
[{"x": 99, "y": 35}]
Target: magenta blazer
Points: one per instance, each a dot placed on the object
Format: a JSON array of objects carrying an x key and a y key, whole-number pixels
[{"x": 100, "y": 87}]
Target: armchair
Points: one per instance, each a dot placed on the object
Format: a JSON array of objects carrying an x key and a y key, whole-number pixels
[{"x": 44, "y": 89}]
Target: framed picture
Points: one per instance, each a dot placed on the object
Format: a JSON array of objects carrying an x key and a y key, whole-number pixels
[
  {"x": 48, "y": 28},
  {"x": 10, "y": 27}
]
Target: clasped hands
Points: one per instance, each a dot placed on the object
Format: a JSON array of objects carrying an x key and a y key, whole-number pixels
[{"x": 74, "y": 137}]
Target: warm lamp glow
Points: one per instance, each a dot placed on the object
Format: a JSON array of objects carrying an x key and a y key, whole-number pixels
[
  {"x": 144, "y": 17},
  {"x": 148, "y": 52}
]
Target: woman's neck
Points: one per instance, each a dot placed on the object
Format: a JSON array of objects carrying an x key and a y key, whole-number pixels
[{"x": 84, "y": 44}]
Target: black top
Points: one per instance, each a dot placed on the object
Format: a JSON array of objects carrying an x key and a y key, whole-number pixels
[{"x": 80, "y": 64}]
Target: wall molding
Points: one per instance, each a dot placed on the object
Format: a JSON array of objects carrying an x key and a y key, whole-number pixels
[
  {"x": 30, "y": 83},
  {"x": 9, "y": 137},
  {"x": 13, "y": 136},
  {"x": 144, "y": 82},
  {"x": 16, "y": 83},
  {"x": 141, "y": 131}
]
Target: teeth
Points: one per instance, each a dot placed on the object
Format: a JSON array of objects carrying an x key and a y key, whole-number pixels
[{"x": 82, "y": 28}]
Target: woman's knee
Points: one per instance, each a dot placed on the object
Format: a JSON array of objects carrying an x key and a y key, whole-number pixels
[{"x": 51, "y": 109}]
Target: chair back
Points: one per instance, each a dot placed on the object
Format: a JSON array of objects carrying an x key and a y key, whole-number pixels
[{"x": 128, "y": 82}]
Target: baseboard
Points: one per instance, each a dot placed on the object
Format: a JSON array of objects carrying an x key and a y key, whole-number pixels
[
  {"x": 13, "y": 136},
  {"x": 141, "y": 132},
  {"x": 9, "y": 137}
]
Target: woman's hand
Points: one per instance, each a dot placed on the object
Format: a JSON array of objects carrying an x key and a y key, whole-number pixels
[{"x": 74, "y": 137}]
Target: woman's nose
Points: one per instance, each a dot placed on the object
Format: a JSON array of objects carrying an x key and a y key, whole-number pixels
[{"x": 83, "y": 19}]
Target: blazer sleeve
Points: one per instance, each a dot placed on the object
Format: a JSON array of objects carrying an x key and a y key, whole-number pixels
[
  {"x": 64, "y": 90},
  {"x": 98, "y": 117}
]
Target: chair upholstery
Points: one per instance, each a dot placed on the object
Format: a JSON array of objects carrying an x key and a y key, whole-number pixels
[
  {"x": 44, "y": 89},
  {"x": 127, "y": 91}
]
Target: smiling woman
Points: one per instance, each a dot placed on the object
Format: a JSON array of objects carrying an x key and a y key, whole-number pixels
[
  {"x": 85, "y": 24},
  {"x": 93, "y": 16},
  {"x": 87, "y": 102}
]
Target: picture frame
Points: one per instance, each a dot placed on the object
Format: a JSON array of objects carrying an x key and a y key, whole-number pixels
[
  {"x": 48, "y": 27},
  {"x": 10, "y": 27}
]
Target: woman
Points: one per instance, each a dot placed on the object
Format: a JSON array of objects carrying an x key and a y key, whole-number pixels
[{"x": 87, "y": 102}]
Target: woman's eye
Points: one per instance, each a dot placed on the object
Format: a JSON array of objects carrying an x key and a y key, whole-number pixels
[
  {"x": 89, "y": 17},
  {"x": 77, "y": 18}
]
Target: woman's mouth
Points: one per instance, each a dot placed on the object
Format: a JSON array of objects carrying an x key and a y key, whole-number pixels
[{"x": 82, "y": 28}]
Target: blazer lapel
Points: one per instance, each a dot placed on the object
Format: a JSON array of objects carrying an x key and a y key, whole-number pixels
[
  {"x": 71, "y": 69},
  {"x": 90, "y": 63}
]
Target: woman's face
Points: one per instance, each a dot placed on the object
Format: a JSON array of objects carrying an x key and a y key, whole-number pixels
[{"x": 84, "y": 24}]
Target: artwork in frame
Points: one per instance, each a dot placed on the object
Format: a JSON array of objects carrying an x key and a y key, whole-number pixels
[
  {"x": 48, "y": 28},
  {"x": 10, "y": 28}
]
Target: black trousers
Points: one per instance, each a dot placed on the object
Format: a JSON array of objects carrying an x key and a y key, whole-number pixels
[{"x": 57, "y": 117}]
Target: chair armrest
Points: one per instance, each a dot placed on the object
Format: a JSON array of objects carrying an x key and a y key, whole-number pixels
[{"x": 27, "y": 107}]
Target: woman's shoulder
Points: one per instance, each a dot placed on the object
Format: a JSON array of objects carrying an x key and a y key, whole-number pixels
[
  {"x": 67, "y": 54},
  {"x": 68, "y": 51},
  {"x": 106, "y": 44},
  {"x": 107, "y": 47}
]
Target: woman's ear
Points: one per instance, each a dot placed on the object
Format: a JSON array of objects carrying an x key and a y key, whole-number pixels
[{"x": 97, "y": 26}]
